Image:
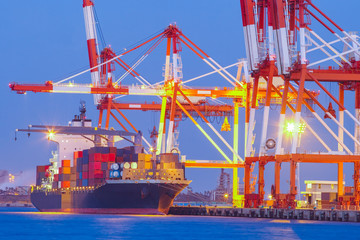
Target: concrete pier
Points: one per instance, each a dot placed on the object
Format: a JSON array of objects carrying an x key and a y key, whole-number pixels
[{"x": 299, "y": 214}]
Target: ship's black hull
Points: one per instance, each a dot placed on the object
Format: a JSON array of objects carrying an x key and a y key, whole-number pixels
[{"x": 114, "y": 197}]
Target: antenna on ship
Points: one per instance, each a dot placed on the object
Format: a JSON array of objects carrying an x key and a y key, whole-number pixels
[{"x": 82, "y": 109}]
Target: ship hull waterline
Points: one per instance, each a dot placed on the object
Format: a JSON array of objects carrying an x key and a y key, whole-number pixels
[{"x": 150, "y": 197}]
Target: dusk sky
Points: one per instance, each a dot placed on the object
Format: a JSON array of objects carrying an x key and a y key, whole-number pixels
[{"x": 45, "y": 40}]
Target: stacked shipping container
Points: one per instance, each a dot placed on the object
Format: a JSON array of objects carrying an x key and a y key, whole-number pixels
[
  {"x": 92, "y": 167},
  {"x": 42, "y": 172}
]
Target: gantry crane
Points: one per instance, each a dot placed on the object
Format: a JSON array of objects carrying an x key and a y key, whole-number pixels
[
  {"x": 278, "y": 40},
  {"x": 177, "y": 98}
]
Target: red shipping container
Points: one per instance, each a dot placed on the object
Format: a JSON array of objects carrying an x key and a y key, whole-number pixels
[
  {"x": 97, "y": 157},
  {"x": 56, "y": 177},
  {"x": 94, "y": 165},
  {"x": 98, "y": 174},
  {"x": 85, "y": 175},
  {"x": 104, "y": 157},
  {"x": 65, "y": 184},
  {"x": 97, "y": 166},
  {"x": 80, "y": 154},
  {"x": 60, "y": 170},
  {"x": 112, "y": 157}
]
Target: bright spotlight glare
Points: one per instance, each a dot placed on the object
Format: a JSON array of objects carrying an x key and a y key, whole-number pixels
[
  {"x": 51, "y": 135},
  {"x": 290, "y": 127}
]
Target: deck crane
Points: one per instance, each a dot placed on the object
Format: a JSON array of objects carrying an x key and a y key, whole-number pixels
[
  {"x": 177, "y": 98},
  {"x": 284, "y": 51}
]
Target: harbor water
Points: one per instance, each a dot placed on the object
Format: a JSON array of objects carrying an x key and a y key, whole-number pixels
[{"x": 28, "y": 223}]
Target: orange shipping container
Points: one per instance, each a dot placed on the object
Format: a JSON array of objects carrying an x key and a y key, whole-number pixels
[
  {"x": 148, "y": 165},
  {"x": 66, "y": 170},
  {"x": 65, "y": 184},
  {"x": 65, "y": 163}
]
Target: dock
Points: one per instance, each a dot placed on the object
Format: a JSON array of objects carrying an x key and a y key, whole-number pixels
[{"x": 296, "y": 214}]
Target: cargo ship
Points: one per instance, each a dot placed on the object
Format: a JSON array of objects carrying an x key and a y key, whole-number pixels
[{"x": 88, "y": 174}]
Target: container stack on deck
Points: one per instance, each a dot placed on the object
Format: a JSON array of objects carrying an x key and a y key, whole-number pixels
[
  {"x": 166, "y": 167},
  {"x": 42, "y": 172},
  {"x": 65, "y": 173},
  {"x": 93, "y": 166}
]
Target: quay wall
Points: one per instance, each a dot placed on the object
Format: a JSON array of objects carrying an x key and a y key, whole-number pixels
[{"x": 299, "y": 214}]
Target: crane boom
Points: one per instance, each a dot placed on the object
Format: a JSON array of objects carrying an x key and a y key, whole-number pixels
[{"x": 91, "y": 38}]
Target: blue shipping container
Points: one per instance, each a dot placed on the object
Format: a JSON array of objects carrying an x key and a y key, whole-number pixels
[
  {"x": 85, "y": 182},
  {"x": 85, "y": 160},
  {"x": 85, "y": 153}
]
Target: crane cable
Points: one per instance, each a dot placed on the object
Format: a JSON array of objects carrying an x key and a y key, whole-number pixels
[
  {"x": 89, "y": 69},
  {"x": 99, "y": 30}
]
